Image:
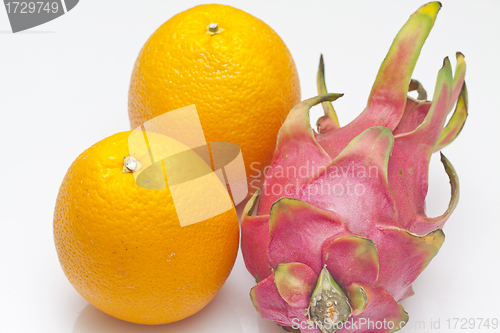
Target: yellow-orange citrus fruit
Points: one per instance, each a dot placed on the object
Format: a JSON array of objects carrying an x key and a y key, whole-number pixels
[
  {"x": 122, "y": 247},
  {"x": 242, "y": 79}
]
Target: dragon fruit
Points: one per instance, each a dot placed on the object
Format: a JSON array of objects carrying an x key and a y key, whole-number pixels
[{"x": 338, "y": 233}]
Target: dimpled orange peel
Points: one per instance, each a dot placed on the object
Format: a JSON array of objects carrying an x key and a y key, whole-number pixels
[
  {"x": 232, "y": 66},
  {"x": 121, "y": 245}
]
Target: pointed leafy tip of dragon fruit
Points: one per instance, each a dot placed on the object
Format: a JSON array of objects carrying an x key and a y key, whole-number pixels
[
  {"x": 298, "y": 118},
  {"x": 387, "y": 101},
  {"x": 255, "y": 239},
  {"x": 329, "y": 121},
  {"x": 388, "y": 96},
  {"x": 457, "y": 121},
  {"x": 408, "y": 177},
  {"x": 424, "y": 224},
  {"x": 295, "y": 141},
  {"x": 458, "y": 79},
  {"x": 328, "y": 306},
  {"x": 419, "y": 88}
]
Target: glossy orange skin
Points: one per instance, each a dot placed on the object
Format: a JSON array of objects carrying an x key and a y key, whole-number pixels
[
  {"x": 243, "y": 81},
  {"x": 122, "y": 247}
]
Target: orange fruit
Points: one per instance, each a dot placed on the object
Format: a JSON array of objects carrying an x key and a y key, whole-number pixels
[
  {"x": 121, "y": 245},
  {"x": 242, "y": 79}
]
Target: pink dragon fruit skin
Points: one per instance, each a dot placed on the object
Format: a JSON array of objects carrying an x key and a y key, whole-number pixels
[{"x": 338, "y": 232}]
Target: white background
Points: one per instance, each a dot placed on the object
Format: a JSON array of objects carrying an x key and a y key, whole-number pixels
[{"x": 63, "y": 87}]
